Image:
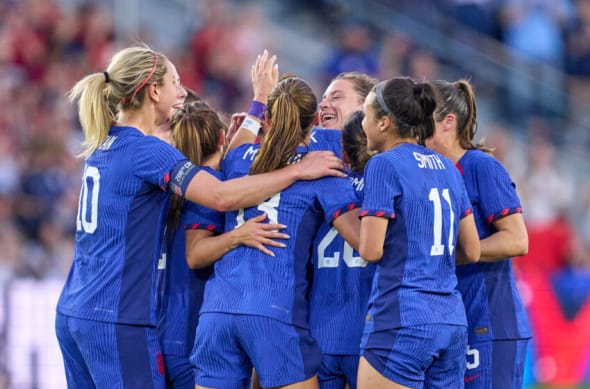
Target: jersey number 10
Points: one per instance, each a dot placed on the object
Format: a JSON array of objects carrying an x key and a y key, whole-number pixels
[{"x": 87, "y": 221}]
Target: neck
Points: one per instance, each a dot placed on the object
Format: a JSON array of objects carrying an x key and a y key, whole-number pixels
[
  {"x": 400, "y": 141},
  {"x": 143, "y": 119}
]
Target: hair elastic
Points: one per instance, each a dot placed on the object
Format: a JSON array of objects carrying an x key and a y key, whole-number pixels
[
  {"x": 106, "y": 77},
  {"x": 128, "y": 98},
  {"x": 379, "y": 94}
]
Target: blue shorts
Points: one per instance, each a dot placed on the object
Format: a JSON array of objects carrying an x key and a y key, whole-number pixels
[
  {"x": 228, "y": 345},
  {"x": 431, "y": 355},
  {"x": 496, "y": 364},
  {"x": 179, "y": 372},
  {"x": 109, "y": 355},
  {"x": 338, "y": 370}
]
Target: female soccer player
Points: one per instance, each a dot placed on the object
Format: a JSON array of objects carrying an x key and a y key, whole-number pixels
[
  {"x": 255, "y": 310},
  {"x": 416, "y": 223},
  {"x": 106, "y": 314},
  {"x": 498, "y": 331},
  {"x": 198, "y": 133},
  {"x": 341, "y": 279}
]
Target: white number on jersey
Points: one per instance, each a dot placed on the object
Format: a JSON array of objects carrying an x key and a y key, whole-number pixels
[
  {"x": 91, "y": 174},
  {"x": 472, "y": 353},
  {"x": 269, "y": 207},
  {"x": 332, "y": 261},
  {"x": 437, "y": 246}
]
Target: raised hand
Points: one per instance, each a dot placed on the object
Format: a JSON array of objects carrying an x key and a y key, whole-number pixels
[{"x": 265, "y": 75}]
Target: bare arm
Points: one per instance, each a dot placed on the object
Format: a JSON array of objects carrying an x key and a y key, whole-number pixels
[
  {"x": 468, "y": 247},
  {"x": 248, "y": 191},
  {"x": 372, "y": 238},
  {"x": 203, "y": 248},
  {"x": 349, "y": 227},
  {"x": 510, "y": 239}
]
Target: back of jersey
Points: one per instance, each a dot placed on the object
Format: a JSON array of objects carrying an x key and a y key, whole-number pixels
[
  {"x": 423, "y": 194},
  {"x": 119, "y": 226},
  {"x": 247, "y": 281}
]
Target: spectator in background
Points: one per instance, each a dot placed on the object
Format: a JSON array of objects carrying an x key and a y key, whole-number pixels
[
  {"x": 535, "y": 30},
  {"x": 354, "y": 52},
  {"x": 547, "y": 193}
]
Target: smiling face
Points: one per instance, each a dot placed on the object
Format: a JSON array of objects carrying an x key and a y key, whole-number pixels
[
  {"x": 172, "y": 93},
  {"x": 339, "y": 101}
]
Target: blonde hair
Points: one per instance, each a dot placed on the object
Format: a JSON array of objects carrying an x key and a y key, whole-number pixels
[
  {"x": 101, "y": 95},
  {"x": 291, "y": 110}
]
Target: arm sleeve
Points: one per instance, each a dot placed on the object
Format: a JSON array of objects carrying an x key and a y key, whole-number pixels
[
  {"x": 381, "y": 188},
  {"x": 497, "y": 191}
]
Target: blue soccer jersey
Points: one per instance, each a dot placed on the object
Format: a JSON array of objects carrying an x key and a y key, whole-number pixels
[
  {"x": 340, "y": 289},
  {"x": 494, "y": 308},
  {"x": 119, "y": 230},
  {"x": 424, "y": 196},
  {"x": 184, "y": 286},
  {"x": 247, "y": 281},
  {"x": 326, "y": 139}
]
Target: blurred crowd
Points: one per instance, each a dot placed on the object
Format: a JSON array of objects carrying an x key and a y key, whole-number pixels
[{"x": 46, "y": 45}]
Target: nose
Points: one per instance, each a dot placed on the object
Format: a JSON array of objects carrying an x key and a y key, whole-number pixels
[
  {"x": 183, "y": 92},
  {"x": 323, "y": 103}
]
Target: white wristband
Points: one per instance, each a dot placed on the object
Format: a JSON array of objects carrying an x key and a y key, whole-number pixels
[{"x": 251, "y": 125}]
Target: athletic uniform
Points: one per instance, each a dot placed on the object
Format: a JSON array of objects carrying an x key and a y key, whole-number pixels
[
  {"x": 340, "y": 289},
  {"x": 415, "y": 332},
  {"x": 106, "y": 314},
  {"x": 498, "y": 325},
  {"x": 184, "y": 292},
  {"x": 255, "y": 310}
]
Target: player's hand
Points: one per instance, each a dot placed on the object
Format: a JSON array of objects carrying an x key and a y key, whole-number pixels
[
  {"x": 265, "y": 75},
  {"x": 258, "y": 234},
  {"x": 234, "y": 125},
  {"x": 318, "y": 164}
]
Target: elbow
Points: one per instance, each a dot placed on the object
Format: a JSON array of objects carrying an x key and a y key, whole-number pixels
[
  {"x": 522, "y": 247},
  {"x": 369, "y": 255},
  {"x": 196, "y": 263},
  {"x": 473, "y": 256},
  {"x": 470, "y": 254},
  {"x": 224, "y": 203}
]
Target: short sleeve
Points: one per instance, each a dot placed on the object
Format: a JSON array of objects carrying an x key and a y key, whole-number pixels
[{"x": 382, "y": 186}]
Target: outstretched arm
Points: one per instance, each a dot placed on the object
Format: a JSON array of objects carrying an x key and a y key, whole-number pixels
[{"x": 248, "y": 191}]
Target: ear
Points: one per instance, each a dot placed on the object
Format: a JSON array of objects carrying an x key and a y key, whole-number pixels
[
  {"x": 450, "y": 121},
  {"x": 316, "y": 119},
  {"x": 384, "y": 123},
  {"x": 221, "y": 137},
  {"x": 153, "y": 91}
]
